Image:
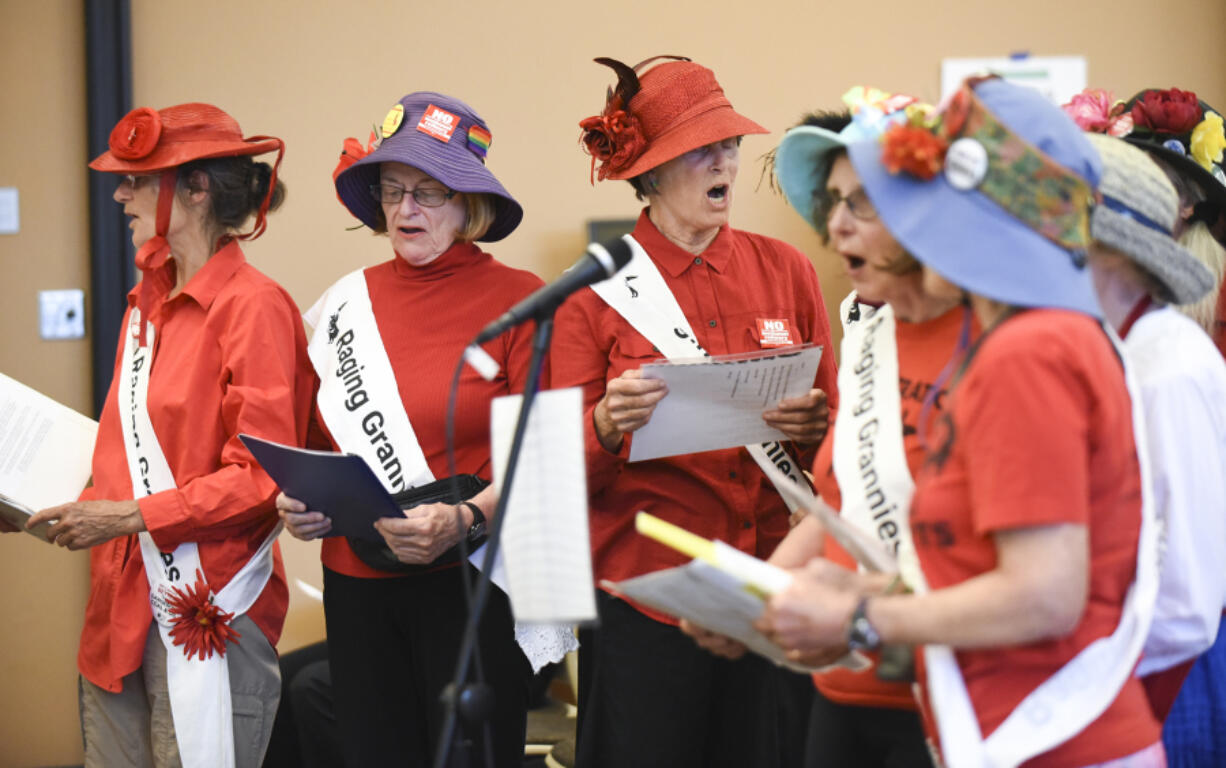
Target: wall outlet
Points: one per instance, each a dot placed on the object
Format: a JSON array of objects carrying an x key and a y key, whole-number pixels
[{"x": 61, "y": 314}]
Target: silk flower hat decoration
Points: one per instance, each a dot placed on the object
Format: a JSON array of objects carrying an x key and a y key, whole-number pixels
[
  {"x": 994, "y": 194},
  {"x": 440, "y": 136}
]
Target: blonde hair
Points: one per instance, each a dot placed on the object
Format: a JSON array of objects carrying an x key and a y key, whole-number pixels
[
  {"x": 1200, "y": 241},
  {"x": 480, "y": 213}
]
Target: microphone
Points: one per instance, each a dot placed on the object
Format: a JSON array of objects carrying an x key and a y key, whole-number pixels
[{"x": 598, "y": 263}]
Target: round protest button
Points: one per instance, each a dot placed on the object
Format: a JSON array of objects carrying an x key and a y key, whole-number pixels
[
  {"x": 392, "y": 121},
  {"x": 966, "y": 164}
]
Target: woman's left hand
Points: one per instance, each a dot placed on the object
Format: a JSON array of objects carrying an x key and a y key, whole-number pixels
[
  {"x": 809, "y": 618},
  {"x": 85, "y": 524},
  {"x": 803, "y": 419},
  {"x": 423, "y": 534}
]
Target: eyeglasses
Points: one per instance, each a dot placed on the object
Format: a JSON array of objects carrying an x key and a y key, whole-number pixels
[
  {"x": 858, "y": 205},
  {"x": 135, "y": 181},
  {"x": 391, "y": 194}
]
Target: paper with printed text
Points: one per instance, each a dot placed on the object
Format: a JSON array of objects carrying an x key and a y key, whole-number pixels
[{"x": 717, "y": 402}]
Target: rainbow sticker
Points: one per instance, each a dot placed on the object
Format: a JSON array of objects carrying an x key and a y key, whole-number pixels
[
  {"x": 479, "y": 141},
  {"x": 391, "y": 123}
]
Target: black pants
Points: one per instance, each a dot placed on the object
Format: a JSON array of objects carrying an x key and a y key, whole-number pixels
[
  {"x": 304, "y": 733},
  {"x": 392, "y": 646},
  {"x": 650, "y": 697},
  {"x": 842, "y": 735}
]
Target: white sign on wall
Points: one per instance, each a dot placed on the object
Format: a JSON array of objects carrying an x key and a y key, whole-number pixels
[{"x": 1058, "y": 78}]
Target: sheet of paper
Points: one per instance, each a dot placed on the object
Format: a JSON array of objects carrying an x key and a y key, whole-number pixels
[
  {"x": 715, "y": 600},
  {"x": 865, "y": 548},
  {"x": 545, "y": 536},
  {"x": 718, "y": 402},
  {"x": 45, "y": 447}
]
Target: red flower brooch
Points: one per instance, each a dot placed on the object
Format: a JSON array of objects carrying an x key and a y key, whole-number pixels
[
  {"x": 615, "y": 138},
  {"x": 914, "y": 149},
  {"x": 1172, "y": 111},
  {"x": 136, "y": 135},
  {"x": 200, "y": 626},
  {"x": 351, "y": 152}
]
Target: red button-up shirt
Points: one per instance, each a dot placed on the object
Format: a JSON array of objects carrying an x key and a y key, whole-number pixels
[
  {"x": 739, "y": 279},
  {"x": 229, "y": 356}
]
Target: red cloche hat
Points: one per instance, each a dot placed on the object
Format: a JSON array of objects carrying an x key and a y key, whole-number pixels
[{"x": 672, "y": 108}]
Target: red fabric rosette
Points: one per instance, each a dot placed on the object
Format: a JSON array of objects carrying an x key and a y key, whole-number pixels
[
  {"x": 200, "y": 626},
  {"x": 915, "y": 150},
  {"x": 615, "y": 139},
  {"x": 1171, "y": 111},
  {"x": 351, "y": 152},
  {"x": 136, "y": 135}
]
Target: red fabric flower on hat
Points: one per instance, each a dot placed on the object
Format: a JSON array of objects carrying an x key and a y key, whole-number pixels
[
  {"x": 351, "y": 152},
  {"x": 913, "y": 149},
  {"x": 614, "y": 138},
  {"x": 1171, "y": 111},
  {"x": 200, "y": 626},
  {"x": 136, "y": 135}
]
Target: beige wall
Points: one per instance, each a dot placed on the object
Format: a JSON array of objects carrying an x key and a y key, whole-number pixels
[{"x": 316, "y": 72}]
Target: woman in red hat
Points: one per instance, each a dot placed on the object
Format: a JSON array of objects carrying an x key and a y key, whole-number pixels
[
  {"x": 649, "y": 695},
  {"x": 386, "y": 344},
  {"x": 188, "y": 594}
]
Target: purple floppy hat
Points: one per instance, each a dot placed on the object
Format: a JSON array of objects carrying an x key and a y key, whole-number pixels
[
  {"x": 1007, "y": 215},
  {"x": 440, "y": 136}
]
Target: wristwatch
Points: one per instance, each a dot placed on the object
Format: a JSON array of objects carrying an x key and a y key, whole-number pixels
[
  {"x": 861, "y": 635},
  {"x": 477, "y": 529}
]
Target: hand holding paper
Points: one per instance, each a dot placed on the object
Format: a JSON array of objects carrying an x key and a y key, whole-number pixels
[{"x": 721, "y": 590}]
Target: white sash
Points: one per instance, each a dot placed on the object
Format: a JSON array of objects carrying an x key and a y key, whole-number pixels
[
  {"x": 1072, "y": 698},
  {"x": 870, "y": 457},
  {"x": 199, "y": 689},
  {"x": 652, "y": 310},
  {"x": 360, "y": 403}
]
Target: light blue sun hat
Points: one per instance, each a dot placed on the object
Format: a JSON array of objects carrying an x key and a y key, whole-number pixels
[{"x": 996, "y": 195}]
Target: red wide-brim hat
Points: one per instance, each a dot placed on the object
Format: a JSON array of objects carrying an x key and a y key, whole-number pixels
[{"x": 148, "y": 141}]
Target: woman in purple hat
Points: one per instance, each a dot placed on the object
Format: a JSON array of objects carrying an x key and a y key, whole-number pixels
[
  {"x": 386, "y": 343},
  {"x": 1034, "y": 532}
]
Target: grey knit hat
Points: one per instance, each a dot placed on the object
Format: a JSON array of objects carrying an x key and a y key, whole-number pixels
[{"x": 1137, "y": 217}]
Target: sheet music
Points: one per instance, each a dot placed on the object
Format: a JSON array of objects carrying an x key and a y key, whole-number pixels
[
  {"x": 715, "y": 600},
  {"x": 718, "y": 402},
  {"x": 45, "y": 447},
  {"x": 545, "y": 536}
]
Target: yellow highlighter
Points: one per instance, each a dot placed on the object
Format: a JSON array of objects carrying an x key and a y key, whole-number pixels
[{"x": 760, "y": 576}]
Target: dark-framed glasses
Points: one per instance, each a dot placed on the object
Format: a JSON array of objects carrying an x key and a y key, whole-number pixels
[
  {"x": 858, "y": 204},
  {"x": 388, "y": 193}
]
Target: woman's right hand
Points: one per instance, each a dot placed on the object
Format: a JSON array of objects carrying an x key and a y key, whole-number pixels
[
  {"x": 299, "y": 522},
  {"x": 627, "y": 405}
]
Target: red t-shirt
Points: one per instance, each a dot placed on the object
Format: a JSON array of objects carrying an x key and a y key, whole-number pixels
[
  {"x": 426, "y": 317},
  {"x": 739, "y": 279},
  {"x": 924, "y": 349},
  {"x": 229, "y": 356},
  {"x": 1040, "y": 434}
]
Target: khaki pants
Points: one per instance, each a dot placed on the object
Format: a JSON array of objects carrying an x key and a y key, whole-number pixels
[{"x": 134, "y": 727}]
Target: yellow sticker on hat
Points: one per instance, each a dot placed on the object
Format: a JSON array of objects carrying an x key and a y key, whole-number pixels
[{"x": 391, "y": 123}]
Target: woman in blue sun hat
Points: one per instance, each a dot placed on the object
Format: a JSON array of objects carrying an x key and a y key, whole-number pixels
[
  {"x": 386, "y": 344},
  {"x": 857, "y": 718},
  {"x": 1037, "y": 564}
]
